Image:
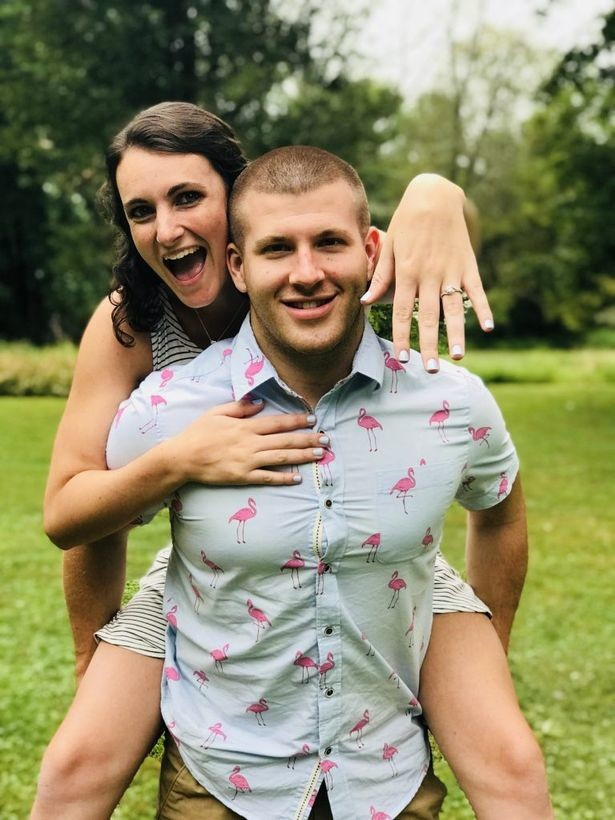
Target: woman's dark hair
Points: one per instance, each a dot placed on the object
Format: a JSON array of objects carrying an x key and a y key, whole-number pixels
[{"x": 171, "y": 128}]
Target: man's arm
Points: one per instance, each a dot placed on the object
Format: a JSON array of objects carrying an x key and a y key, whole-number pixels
[
  {"x": 94, "y": 577},
  {"x": 496, "y": 557}
]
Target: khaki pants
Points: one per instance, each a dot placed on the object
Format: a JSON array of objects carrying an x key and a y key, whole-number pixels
[{"x": 181, "y": 797}]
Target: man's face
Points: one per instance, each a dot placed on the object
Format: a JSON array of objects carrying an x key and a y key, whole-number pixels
[{"x": 304, "y": 265}]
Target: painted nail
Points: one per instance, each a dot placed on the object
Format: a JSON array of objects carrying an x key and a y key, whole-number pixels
[
  {"x": 256, "y": 401},
  {"x": 404, "y": 356},
  {"x": 433, "y": 365},
  {"x": 311, "y": 419},
  {"x": 318, "y": 452},
  {"x": 297, "y": 478},
  {"x": 365, "y": 296},
  {"x": 324, "y": 439},
  {"x": 457, "y": 352},
  {"x": 488, "y": 324}
]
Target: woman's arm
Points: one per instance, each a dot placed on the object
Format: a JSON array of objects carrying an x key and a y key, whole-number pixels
[
  {"x": 429, "y": 247},
  {"x": 85, "y": 502}
]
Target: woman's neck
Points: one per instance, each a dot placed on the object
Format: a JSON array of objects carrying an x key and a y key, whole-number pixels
[{"x": 219, "y": 320}]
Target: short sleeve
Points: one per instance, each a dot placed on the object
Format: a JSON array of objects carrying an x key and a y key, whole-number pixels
[
  {"x": 134, "y": 431},
  {"x": 492, "y": 463}
]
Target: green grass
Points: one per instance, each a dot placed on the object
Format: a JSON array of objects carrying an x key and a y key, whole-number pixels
[{"x": 562, "y": 652}]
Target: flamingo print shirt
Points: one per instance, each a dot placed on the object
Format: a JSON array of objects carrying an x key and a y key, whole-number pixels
[{"x": 298, "y": 616}]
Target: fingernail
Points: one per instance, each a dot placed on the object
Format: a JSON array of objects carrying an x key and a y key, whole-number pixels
[
  {"x": 256, "y": 401},
  {"x": 365, "y": 296},
  {"x": 457, "y": 352},
  {"x": 433, "y": 365},
  {"x": 297, "y": 478},
  {"x": 404, "y": 356},
  {"x": 488, "y": 324},
  {"x": 311, "y": 419},
  {"x": 318, "y": 452},
  {"x": 324, "y": 439}
]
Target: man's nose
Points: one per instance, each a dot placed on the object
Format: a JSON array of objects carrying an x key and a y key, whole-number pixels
[
  {"x": 168, "y": 228},
  {"x": 306, "y": 271}
]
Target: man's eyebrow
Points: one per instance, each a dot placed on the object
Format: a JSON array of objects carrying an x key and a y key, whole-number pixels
[{"x": 262, "y": 244}]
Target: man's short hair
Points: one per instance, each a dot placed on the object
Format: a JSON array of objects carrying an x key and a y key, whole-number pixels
[{"x": 294, "y": 169}]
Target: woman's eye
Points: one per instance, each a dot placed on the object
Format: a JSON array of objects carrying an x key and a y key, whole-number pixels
[
  {"x": 188, "y": 197},
  {"x": 139, "y": 212}
]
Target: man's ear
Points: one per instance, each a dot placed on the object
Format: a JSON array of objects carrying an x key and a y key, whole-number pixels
[
  {"x": 372, "y": 250},
  {"x": 234, "y": 261}
]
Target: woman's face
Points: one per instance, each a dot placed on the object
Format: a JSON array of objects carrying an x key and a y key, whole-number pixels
[{"x": 175, "y": 205}]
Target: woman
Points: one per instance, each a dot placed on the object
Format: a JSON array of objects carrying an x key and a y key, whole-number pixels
[{"x": 173, "y": 228}]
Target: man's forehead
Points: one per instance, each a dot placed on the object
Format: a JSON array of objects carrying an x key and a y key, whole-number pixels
[{"x": 328, "y": 208}]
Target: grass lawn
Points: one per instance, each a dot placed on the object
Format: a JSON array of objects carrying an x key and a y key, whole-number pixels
[{"x": 562, "y": 652}]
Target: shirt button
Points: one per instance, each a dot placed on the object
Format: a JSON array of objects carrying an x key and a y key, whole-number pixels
[
  {"x": 328, "y": 503},
  {"x": 328, "y": 750},
  {"x": 328, "y": 630},
  {"x": 328, "y": 692}
]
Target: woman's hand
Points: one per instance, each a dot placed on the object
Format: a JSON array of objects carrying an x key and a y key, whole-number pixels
[
  {"x": 226, "y": 446},
  {"x": 428, "y": 249}
]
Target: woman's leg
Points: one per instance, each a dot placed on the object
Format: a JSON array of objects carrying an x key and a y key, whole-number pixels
[
  {"x": 109, "y": 729},
  {"x": 472, "y": 710}
]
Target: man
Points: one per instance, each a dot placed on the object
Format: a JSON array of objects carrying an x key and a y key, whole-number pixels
[{"x": 299, "y": 615}]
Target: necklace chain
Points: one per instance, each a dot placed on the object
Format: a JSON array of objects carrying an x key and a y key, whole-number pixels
[{"x": 223, "y": 334}]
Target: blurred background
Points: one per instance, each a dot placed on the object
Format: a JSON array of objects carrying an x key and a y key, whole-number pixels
[{"x": 513, "y": 101}]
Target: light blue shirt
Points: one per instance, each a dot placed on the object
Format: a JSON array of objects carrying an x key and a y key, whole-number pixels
[{"x": 299, "y": 616}]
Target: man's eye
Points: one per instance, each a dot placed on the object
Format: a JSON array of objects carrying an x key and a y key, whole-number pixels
[
  {"x": 331, "y": 242},
  {"x": 278, "y": 247}
]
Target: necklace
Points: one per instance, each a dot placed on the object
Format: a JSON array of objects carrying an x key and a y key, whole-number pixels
[{"x": 223, "y": 334}]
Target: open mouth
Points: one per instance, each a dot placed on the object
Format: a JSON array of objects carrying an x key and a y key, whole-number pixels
[{"x": 187, "y": 263}]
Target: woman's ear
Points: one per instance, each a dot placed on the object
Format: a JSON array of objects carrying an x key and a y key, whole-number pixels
[{"x": 234, "y": 261}]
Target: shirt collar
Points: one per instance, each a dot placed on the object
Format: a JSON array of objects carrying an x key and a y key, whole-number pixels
[{"x": 250, "y": 369}]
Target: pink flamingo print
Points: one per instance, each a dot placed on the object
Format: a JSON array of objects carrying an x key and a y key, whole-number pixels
[
  {"x": 155, "y": 402},
  {"x": 466, "y": 483},
  {"x": 370, "y": 424},
  {"x": 225, "y": 354},
  {"x": 439, "y": 417},
  {"x": 170, "y": 727},
  {"x": 326, "y": 767},
  {"x": 171, "y": 616},
  {"x": 258, "y": 616},
  {"x": 394, "y": 677},
  {"x": 370, "y": 649},
  {"x": 413, "y": 706},
  {"x": 305, "y": 750},
  {"x": 396, "y": 584},
  {"x": 201, "y": 677},
  {"x": 217, "y": 571},
  {"x": 422, "y": 462},
  {"x": 215, "y": 731},
  {"x": 219, "y": 656},
  {"x": 503, "y": 486},
  {"x": 241, "y": 516},
  {"x": 321, "y": 569},
  {"x": 396, "y": 367},
  {"x": 198, "y": 598},
  {"x": 388, "y": 753},
  {"x": 323, "y": 465},
  {"x": 357, "y": 729},
  {"x": 410, "y": 630},
  {"x": 325, "y": 666},
  {"x": 255, "y": 365},
  {"x": 176, "y": 503},
  {"x": 119, "y": 414},
  {"x": 238, "y": 782},
  {"x": 378, "y": 815},
  {"x": 305, "y": 663},
  {"x": 373, "y": 542},
  {"x": 480, "y": 434},
  {"x": 257, "y": 710},
  {"x": 294, "y": 564},
  {"x": 171, "y": 673},
  {"x": 403, "y": 487},
  {"x": 427, "y": 538},
  {"x": 165, "y": 377}
]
